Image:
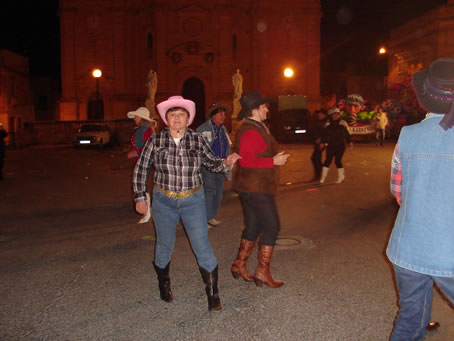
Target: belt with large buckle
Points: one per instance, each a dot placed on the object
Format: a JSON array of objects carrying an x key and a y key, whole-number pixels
[{"x": 178, "y": 195}]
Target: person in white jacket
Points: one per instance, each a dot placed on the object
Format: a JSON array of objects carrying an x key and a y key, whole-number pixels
[{"x": 381, "y": 121}]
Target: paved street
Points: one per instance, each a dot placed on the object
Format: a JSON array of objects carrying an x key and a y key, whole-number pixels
[{"x": 74, "y": 264}]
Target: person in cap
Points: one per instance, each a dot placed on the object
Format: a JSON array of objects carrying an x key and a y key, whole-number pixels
[
  {"x": 177, "y": 154},
  {"x": 218, "y": 138},
  {"x": 420, "y": 247},
  {"x": 143, "y": 131},
  {"x": 334, "y": 137},
  {"x": 3, "y": 135},
  {"x": 256, "y": 180}
]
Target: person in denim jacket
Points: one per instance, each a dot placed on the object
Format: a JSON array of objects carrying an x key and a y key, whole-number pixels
[
  {"x": 218, "y": 138},
  {"x": 421, "y": 246}
]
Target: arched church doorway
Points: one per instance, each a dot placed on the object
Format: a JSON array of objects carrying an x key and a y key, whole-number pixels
[
  {"x": 194, "y": 90},
  {"x": 95, "y": 108}
]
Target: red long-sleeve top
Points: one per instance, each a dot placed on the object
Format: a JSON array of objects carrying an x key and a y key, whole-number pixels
[{"x": 252, "y": 143}]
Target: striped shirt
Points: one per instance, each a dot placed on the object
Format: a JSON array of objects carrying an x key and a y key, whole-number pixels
[
  {"x": 177, "y": 167},
  {"x": 396, "y": 175}
]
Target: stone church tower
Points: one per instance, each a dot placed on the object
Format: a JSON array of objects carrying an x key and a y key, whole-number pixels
[{"x": 195, "y": 47}]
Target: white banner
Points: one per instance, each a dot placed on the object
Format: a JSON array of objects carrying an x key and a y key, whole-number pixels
[{"x": 361, "y": 130}]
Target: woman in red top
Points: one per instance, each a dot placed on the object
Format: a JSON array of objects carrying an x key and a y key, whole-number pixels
[
  {"x": 256, "y": 181},
  {"x": 142, "y": 133}
]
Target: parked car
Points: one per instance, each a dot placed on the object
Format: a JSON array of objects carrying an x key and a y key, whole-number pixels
[
  {"x": 92, "y": 134},
  {"x": 291, "y": 125}
]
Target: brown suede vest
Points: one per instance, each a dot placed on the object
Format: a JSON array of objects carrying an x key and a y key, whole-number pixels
[{"x": 261, "y": 180}]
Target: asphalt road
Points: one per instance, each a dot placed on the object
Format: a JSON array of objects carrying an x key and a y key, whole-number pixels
[{"x": 74, "y": 264}]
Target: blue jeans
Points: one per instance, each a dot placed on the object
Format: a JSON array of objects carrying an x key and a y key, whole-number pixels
[
  {"x": 261, "y": 217},
  {"x": 415, "y": 300},
  {"x": 213, "y": 183},
  {"x": 166, "y": 215}
]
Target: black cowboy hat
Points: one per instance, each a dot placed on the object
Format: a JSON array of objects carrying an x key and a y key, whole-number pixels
[
  {"x": 250, "y": 101},
  {"x": 434, "y": 89}
]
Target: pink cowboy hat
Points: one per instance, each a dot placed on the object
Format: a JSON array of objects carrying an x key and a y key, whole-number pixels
[{"x": 174, "y": 102}]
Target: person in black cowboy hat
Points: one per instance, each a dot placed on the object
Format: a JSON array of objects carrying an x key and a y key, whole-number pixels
[
  {"x": 256, "y": 181},
  {"x": 421, "y": 243},
  {"x": 218, "y": 138}
]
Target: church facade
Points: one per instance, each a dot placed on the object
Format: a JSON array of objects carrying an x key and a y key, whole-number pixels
[{"x": 195, "y": 47}]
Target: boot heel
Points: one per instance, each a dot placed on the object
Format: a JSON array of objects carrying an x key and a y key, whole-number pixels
[
  {"x": 235, "y": 275},
  {"x": 258, "y": 283}
]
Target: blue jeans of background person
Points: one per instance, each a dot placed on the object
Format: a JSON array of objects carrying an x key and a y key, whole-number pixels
[
  {"x": 213, "y": 183},
  {"x": 261, "y": 216},
  {"x": 166, "y": 216},
  {"x": 415, "y": 300}
]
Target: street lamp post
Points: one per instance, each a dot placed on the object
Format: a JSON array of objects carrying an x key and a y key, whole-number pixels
[
  {"x": 97, "y": 105},
  {"x": 97, "y": 74},
  {"x": 288, "y": 73}
]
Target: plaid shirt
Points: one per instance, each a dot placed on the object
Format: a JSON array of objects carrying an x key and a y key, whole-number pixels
[
  {"x": 177, "y": 168},
  {"x": 396, "y": 175}
]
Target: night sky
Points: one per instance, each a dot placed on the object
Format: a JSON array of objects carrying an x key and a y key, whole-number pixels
[
  {"x": 351, "y": 30},
  {"x": 31, "y": 28}
]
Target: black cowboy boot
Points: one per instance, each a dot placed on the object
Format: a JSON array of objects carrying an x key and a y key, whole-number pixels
[
  {"x": 211, "y": 285},
  {"x": 164, "y": 283}
]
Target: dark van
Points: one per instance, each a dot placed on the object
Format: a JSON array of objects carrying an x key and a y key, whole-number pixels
[{"x": 290, "y": 126}]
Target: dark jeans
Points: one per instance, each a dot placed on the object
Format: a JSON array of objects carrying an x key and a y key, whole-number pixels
[
  {"x": 316, "y": 159},
  {"x": 213, "y": 183},
  {"x": 337, "y": 153},
  {"x": 415, "y": 301},
  {"x": 261, "y": 216}
]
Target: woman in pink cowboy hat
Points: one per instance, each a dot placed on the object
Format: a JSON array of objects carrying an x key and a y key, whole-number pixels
[{"x": 177, "y": 154}]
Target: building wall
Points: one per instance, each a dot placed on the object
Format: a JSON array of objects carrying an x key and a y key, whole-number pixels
[
  {"x": 418, "y": 43},
  {"x": 16, "y": 104},
  {"x": 205, "y": 40}
]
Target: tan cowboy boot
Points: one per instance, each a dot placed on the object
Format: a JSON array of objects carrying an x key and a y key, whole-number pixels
[
  {"x": 263, "y": 274},
  {"x": 239, "y": 266}
]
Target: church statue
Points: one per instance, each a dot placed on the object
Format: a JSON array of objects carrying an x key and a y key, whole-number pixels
[
  {"x": 237, "y": 81},
  {"x": 152, "y": 85}
]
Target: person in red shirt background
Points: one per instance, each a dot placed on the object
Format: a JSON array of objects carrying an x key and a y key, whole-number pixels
[
  {"x": 143, "y": 131},
  {"x": 256, "y": 181}
]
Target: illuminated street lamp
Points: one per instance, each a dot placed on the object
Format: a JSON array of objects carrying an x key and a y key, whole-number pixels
[
  {"x": 382, "y": 50},
  {"x": 96, "y": 73},
  {"x": 288, "y": 72}
]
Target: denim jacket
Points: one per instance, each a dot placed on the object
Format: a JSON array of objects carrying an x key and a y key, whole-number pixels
[
  {"x": 207, "y": 131},
  {"x": 422, "y": 239}
]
